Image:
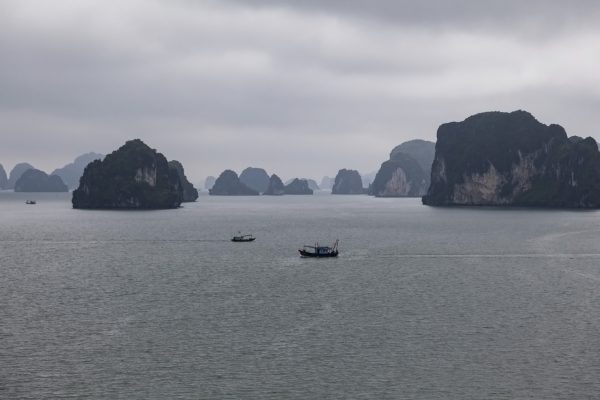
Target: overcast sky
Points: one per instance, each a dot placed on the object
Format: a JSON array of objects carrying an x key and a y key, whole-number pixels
[{"x": 299, "y": 87}]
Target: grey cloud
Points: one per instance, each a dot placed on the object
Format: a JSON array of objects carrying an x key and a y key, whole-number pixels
[
  {"x": 231, "y": 84},
  {"x": 532, "y": 16}
]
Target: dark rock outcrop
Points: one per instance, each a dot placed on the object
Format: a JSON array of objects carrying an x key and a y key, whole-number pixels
[
  {"x": 228, "y": 184},
  {"x": 312, "y": 184},
  {"x": 190, "y": 193},
  {"x": 511, "y": 159},
  {"x": 255, "y": 178},
  {"x": 16, "y": 173},
  {"x": 132, "y": 177},
  {"x": 34, "y": 180},
  {"x": 347, "y": 181},
  {"x": 276, "y": 187},
  {"x": 401, "y": 176},
  {"x": 209, "y": 182},
  {"x": 3, "y": 178},
  {"x": 71, "y": 173},
  {"x": 298, "y": 186}
]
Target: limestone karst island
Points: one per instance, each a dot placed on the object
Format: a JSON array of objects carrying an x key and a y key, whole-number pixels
[{"x": 511, "y": 159}]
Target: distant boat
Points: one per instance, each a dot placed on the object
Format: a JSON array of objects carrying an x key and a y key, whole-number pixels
[
  {"x": 30, "y": 202},
  {"x": 319, "y": 251},
  {"x": 243, "y": 238}
]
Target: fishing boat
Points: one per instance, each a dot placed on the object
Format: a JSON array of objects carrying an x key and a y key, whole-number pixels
[
  {"x": 243, "y": 238},
  {"x": 319, "y": 251},
  {"x": 30, "y": 202}
]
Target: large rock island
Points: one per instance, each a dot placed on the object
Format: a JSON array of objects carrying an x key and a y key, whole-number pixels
[
  {"x": 34, "y": 180},
  {"x": 132, "y": 177},
  {"x": 228, "y": 184},
  {"x": 407, "y": 172},
  {"x": 511, "y": 159},
  {"x": 347, "y": 181}
]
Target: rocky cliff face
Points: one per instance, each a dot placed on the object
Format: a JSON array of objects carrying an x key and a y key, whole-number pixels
[
  {"x": 255, "y": 178},
  {"x": 16, "y": 173},
  {"x": 228, "y": 184},
  {"x": 132, "y": 177},
  {"x": 511, "y": 159},
  {"x": 298, "y": 186},
  {"x": 400, "y": 177},
  {"x": 347, "y": 181},
  {"x": 34, "y": 180},
  {"x": 3, "y": 178},
  {"x": 190, "y": 194},
  {"x": 276, "y": 187},
  {"x": 407, "y": 172},
  {"x": 71, "y": 173}
]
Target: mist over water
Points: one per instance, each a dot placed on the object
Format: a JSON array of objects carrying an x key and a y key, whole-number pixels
[{"x": 423, "y": 303}]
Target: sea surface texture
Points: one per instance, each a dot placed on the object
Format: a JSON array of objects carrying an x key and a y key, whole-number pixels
[{"x": 423, "y": 303}]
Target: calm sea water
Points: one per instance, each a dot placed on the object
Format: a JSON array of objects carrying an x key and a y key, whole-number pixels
[{"x": 423, "y": 303}]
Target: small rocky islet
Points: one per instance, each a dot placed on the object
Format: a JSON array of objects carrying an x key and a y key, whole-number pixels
[
  {"x": 298, "y": 187},
  {"x": 312, "y": 184},
  {"x": 276, "y": 186},
  {"x": 347, "y": 181}
]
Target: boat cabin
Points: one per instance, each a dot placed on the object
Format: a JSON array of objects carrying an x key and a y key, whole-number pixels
[{"x": 243, "y": 238}]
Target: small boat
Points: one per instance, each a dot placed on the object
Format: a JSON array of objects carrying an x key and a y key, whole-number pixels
[
  {"x": 30, "y": 202},
  {"x": 319, "y": 251},
  {"x": 243, "y": 238}
]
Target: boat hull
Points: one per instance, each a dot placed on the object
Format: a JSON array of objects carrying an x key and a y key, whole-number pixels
[
  {"x": 308, "y": 254},
  {"x": 243, "y": 240}
]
